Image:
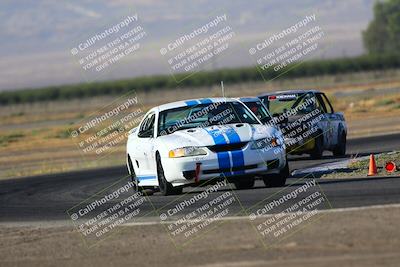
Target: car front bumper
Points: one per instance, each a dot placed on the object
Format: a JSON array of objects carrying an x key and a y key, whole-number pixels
[{"x": 231, "y": 164}]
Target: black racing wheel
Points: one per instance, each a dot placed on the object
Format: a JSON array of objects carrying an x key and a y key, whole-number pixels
[{"x": 166, "y": 188}]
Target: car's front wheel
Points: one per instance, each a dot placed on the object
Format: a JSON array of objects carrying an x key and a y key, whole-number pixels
[
  {"x": 166, "y": 188},
  {"x": 277, "y": 180},
  {"x": 340, "y": 149},
  {"x": 318, "y": 147},
  {"x": 133, "y": 176},
  {"x": 244, "y": 183},
  {"x": 135, "y": 181}
]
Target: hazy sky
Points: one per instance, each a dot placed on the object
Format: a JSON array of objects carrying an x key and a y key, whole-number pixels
[{"x": 37, "y": 35}]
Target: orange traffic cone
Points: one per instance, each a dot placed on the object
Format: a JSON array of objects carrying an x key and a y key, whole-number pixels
[{"x": 372, "y": 166}]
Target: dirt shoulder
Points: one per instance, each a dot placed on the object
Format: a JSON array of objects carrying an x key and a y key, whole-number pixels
[
  {"x": 356, "y": 167},
  {"x": 367, "y": 237}
]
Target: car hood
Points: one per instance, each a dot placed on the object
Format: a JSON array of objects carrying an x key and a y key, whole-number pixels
[{"x": 218, "y": 134}]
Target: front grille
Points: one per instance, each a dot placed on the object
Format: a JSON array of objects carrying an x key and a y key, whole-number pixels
[
  {"x": 241, "y": 168},
  {"x": 227, "y": 147}
]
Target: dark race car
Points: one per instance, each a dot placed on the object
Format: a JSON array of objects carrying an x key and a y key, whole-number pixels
[{"x": 308, "y": 122}]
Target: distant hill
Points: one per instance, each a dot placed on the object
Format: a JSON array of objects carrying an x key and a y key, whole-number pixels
[{"x": 37, "y": 35}]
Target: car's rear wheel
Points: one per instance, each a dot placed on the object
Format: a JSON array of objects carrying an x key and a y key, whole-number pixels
[
  {"x": 277, "y": 180},
  {"x": 340, "y": 149},
  {"x": 166, "y": 188},
  {"x": 244, "y": 183},
  {"x": 318, "y": 147}
]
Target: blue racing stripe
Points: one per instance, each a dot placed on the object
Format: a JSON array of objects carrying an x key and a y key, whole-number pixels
[
  {"x": 146, "y": 177},
  {"x": 232, "y": 135},
  {"x": 192, "y": 102},
  {"x": 205, "y": 101},
  {"x": 238, "y": 160},
  {"x": 224, "y": 161},
  {"x": 237, "y": 156},
  {"x": 217, "y": 136}
]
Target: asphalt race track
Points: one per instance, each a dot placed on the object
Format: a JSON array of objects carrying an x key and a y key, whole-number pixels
[{"x": 47, "y": 198}]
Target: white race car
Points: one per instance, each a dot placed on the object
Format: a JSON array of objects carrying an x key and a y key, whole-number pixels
[{"x": 187, "y": 142}]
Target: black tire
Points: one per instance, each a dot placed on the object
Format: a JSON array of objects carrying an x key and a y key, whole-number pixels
[
  {"x": 340, "y": 149},
  {"x": 277, "y": 180},
  {"x": 318, "y": 148},
  {"x": 244, "y": 183},
  {"x": 136, "y": 188},
  {"x": 133, "y": 176},
  {"x": 166, "y": 188}
]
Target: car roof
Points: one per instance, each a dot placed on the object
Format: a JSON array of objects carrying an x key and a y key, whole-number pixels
[
  {"x": 299, "y": 91},
  {"x": 248, "y": 99},
  {"x": 193, "y": 102}
]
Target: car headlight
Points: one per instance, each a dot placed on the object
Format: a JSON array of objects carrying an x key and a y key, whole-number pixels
[
  {"x": 187, "y": 152},
  {"x": 266, "y": 142}
]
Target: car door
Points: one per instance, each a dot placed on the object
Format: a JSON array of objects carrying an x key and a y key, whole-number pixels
[
  {"x": 326, "y": 124},
  {"x": 145, "y": 147},
  {"x": 334, "y": 119}
]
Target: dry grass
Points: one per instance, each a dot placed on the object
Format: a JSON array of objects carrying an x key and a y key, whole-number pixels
[{"x": 358, "y": 168}]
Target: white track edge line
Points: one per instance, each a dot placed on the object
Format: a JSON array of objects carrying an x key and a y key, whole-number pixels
[{"x": 236, "y": 218}]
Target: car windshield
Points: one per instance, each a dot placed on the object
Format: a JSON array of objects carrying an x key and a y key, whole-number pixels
[
  {"x": 281, "y": 103},
  {"x": 259, "y": 110},
  {"x": 203, "y": 115}
]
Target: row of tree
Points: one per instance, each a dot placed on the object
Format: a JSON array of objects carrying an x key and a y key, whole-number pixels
[
  {"x": 229, "y": 76},
  {"x": 383, "y": 33}
]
